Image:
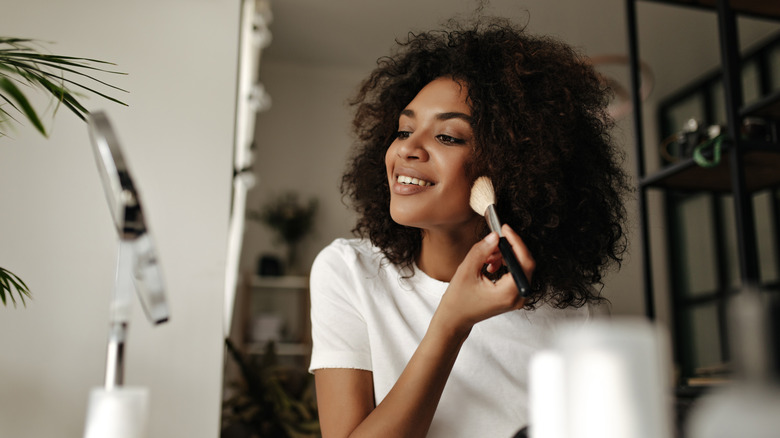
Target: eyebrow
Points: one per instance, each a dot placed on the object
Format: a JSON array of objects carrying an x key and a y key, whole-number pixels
[{"x": 442, "y": 116}]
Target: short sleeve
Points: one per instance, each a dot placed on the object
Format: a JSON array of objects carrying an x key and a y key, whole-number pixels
[{"x": 339, "y": 333}]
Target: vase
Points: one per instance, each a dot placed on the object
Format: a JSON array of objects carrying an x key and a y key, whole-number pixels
[{"x": 292, "y": 259}]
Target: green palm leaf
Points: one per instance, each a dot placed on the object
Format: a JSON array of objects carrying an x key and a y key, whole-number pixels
[
  {"x": 22, "y": 64},
  {"x": 10, "y": 282},
  {"x": 10, "y": 94}
]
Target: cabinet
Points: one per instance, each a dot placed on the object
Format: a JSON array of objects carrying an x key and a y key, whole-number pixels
[
  {"x": 746, "y": 168},
  {"x": 275, "y": 309}
]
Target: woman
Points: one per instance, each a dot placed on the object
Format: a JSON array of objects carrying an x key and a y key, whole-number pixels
[{"x": 415, "y": 330}]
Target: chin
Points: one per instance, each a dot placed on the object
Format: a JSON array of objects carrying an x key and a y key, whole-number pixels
[{"x": 405, "y": 218}]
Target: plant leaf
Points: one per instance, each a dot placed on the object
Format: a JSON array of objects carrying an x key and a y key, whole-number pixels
[
  {"x": 24, "y": 105},
  {"x": 10, "y": 282},
  {"x": 4, "y": 287},
  {"x": 58, "y": 66},
  {"x": 23, "y": 64}
]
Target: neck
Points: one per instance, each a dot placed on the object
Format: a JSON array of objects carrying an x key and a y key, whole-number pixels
[{"x": 443, "y": 251}]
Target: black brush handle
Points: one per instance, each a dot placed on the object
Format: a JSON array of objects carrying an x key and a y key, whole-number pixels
[{"x": 515, "y": 269}]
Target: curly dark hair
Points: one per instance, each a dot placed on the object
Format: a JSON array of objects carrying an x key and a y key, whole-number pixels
[{"x": 542, "y": 134}]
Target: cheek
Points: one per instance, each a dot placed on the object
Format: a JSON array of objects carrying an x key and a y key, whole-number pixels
[
  {"x": 461, "y": 173},
  {"x": 389, "y": 154},
  {"x": 463, "y": 200},
  {"x": 464, "y": 189},
  {"x": 458, "y": 192}
]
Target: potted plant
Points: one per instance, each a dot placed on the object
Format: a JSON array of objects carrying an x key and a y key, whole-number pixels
[
  {"x": 270, "y": 400},
  {"x": 24, "y": 65},
  {"x": 290, "y": 219}
]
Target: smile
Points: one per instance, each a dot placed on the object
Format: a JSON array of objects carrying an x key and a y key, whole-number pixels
[{"x": 403, "y": 179}]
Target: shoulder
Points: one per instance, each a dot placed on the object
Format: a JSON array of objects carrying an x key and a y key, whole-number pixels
[
  {"x": 344, "y": 256},
  {"x": 350, "y": 247},
  {"x": 348, "y": 250}
]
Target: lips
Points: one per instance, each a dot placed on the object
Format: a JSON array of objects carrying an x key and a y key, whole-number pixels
[{"x": 409, "y": 181}]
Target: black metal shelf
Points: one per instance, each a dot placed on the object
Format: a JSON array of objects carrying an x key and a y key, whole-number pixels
[
  {"x": 761, "y": 164},
  {"x": 768, "y": 107},
  {"x": 704, "y": 297},
  {"x": 746, "y": 166},
  {"x": 755, "y": 8}
]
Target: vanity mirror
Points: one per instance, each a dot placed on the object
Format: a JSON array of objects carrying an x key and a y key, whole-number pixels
[{"x": 116, "y": 411}]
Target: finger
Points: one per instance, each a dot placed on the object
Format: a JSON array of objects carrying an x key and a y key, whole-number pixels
[
  {"x": 524, "y": 256},
  {"x": 492, "y": 267},
  {"x": 494, "y": 261},
  {"x": 482, "y": 251},
  {"x": 506, "y": 286}
]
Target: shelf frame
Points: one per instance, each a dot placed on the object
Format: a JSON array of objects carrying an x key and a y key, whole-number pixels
[
  {"x": 732, "y": 81},
  {"x": 297, "y": 282},
  {"x": 730, "y": 175},
  {"x": 636, "y": 100},
  {"x": 750, "y": 8}
]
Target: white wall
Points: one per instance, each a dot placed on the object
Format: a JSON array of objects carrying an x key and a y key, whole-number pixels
[
  {"x": 56, "y": 231},
  {"x": 301, "y": 144}
]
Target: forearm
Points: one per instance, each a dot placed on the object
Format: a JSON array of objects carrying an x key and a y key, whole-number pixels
[{"x": 408, "y": 408}]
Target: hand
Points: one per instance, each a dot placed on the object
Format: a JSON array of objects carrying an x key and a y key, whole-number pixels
[{"x": 471, "y": 297}]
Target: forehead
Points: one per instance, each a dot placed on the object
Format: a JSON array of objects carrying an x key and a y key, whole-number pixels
[{"x": 443, "y": 94}]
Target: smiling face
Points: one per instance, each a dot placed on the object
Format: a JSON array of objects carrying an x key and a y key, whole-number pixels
[{"x": 426, "y": 163}]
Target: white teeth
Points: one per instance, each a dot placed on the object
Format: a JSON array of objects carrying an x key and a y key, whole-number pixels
[{"x": 403, "y": 179}]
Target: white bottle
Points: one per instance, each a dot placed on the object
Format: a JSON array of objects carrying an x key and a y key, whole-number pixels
[{"x": 750, "y": 406}]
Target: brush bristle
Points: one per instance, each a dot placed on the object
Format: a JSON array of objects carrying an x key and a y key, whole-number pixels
[{"x": 482, "y": 195}]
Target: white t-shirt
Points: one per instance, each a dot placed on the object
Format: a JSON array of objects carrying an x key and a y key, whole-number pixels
[{"x": 366, "y": 315}]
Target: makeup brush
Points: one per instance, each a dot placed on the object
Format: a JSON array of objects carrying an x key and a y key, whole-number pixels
[{"x": 483, "y": 201}]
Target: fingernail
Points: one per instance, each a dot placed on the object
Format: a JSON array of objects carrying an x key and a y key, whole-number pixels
[{"x": 491, "y": 238}]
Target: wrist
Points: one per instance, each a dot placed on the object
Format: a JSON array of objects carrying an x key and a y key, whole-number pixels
[{"x": 455, "y": 331}]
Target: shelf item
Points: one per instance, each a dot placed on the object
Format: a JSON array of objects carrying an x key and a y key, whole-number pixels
[
  {"x": 277, "y": 309},
  {"x": 287, "y": 299}
]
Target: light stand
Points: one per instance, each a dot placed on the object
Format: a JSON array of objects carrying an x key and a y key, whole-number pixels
[{"x": 116, "y": 411}]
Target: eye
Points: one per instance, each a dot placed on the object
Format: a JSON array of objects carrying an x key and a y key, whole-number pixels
[
  {"x": 402, "y": 135},
  {"x": 446, "y": 139}
]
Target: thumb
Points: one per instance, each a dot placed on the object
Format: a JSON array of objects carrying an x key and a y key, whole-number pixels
[{"x": 482, "y": 250}]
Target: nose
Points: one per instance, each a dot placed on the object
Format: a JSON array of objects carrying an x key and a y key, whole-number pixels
[{"x": 412, "y": 147}]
